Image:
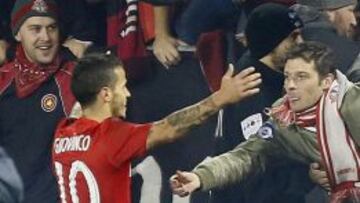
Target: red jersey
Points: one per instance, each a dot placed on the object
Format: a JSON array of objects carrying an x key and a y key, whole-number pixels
[{"x": 92, "y": 159}]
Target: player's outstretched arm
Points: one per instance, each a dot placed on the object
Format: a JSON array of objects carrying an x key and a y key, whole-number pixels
[{"x": 233, "y": 88}]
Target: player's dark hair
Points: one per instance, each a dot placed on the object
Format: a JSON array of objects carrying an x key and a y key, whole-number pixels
[{"x": 93, "y": 72}]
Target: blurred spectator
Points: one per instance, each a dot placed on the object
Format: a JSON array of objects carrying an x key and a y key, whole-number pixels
[
  {"x": 293, "y": 136},
  {"x": 35, "y": 94},
  {"x": 165, "y": 46},
  {"x": 340, "y": 13},
  {"x": 320, "y": 27},
  {"x": 76, "y": 25},
  {"x": 198, "y": 16},
  {"x": 271, "y": 31},
  {"x": 11, "y": 187},
  {"x": 5, "y": 32}
]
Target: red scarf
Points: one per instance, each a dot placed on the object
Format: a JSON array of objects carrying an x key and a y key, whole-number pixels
[
  {"x": 30, "y": 76},
  {"x": 285, "y": 116}
]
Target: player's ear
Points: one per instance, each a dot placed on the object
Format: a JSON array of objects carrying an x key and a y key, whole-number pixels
[{"x": 106, "y": 94}]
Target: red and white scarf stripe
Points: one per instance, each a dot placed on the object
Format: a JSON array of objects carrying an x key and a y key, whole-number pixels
[
  {"x": 337, "y": 147},
  {"x": 285, "y": 116}
]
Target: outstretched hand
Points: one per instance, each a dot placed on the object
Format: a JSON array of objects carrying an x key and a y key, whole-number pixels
[
  {"x": 235, "y": 88},
  {"x": 183, "y": 183}
]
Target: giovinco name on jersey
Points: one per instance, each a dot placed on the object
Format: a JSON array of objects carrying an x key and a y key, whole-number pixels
[{"x": 74, "y": 143}]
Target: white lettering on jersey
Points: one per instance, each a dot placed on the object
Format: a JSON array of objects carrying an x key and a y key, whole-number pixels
[
  {"x": 75, "y": 143},
  {"x": 77, "y": 167},
  {"x": 59, "y": 173},
  {"x": 251, "y": 125}
]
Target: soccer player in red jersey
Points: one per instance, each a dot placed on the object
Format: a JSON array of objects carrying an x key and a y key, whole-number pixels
[{"x": 92, "y": 154}]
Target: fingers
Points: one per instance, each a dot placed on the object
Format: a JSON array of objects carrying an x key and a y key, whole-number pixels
[
  {"x": 326, "y": 187},
  {"x": 245, "y": 72},
  {"x": 249, "y": 79},
  {"x": 177, "y": 185},
  {"x": 168, "y": 57},
  {"x": 248, "y": 75},
  {"x": 181, "y": 177},
  {"x": 165, "y": 50},
  {"x": 324, "y": 182},
  {"x": 230, "y": 72},
  {"x": 319, "y": 176},
  {"x": 315, "y": 166},
  {"x": 251, "y": 92},
  {"x": 242, "y": 85},
  {"x": 181, "y": 192},
  {"x": 172, "y": 57},
  {"x": 181, "y": 43},
  {"x": 184, "y": 183},
  {"x": 250, "y": 84}
]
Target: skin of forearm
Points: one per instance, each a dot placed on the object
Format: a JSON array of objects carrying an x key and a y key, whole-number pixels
[
  {"x": 161, "y": 20},
  {"x": 194, "y": 115},
  {"x": 177, "y": 124}
]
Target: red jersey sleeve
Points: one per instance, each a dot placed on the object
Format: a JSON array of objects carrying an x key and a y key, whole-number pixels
[{"x": 125, "y": 140}]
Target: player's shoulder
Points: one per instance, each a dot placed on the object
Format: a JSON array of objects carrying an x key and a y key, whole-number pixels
[
  {"x": 62, "y": 125},
  {"x": 116, "y": 125},
  {"x": 117, "y": 122}
]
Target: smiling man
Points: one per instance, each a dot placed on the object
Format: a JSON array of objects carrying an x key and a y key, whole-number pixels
[
  {"x": 34, "y": 95},
  {"x": 306, "y": 125}
]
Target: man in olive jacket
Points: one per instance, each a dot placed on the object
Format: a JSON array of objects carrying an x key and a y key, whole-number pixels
[{"x": 301, "y": 127}]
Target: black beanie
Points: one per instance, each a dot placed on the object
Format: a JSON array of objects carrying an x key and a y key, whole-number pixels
[
  {"x": 24, "y": 9},
  {"x": 269, "y": 24}
]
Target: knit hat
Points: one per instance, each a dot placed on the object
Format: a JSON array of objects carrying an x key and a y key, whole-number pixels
[
  {"x": 327, "y": 4},
  {"x": 269, "y": 24},
  {"x": 24, "y": 9}
]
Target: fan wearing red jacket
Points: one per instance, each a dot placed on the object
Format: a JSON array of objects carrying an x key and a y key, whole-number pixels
[{"x": 92, "y": 154}]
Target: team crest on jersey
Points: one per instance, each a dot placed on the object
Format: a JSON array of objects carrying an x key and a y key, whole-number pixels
[
  {"x": 40, "y": 6},
  {"x": 49, "y": 102}
]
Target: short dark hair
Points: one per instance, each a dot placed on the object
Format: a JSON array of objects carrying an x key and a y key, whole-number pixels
[
  {"x": 321, "y": 54},
  {"x": 93, "y": 72}
]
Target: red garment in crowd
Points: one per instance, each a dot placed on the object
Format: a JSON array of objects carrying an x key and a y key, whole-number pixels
[
  {"x": 125, "y": 37},
  {"x": 211, "y": 53}
]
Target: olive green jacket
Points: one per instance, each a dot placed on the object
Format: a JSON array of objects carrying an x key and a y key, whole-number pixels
[{"x": 251, "y": 157}]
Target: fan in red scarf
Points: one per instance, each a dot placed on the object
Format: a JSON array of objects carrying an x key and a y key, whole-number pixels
[{"x": 34, "y": 95}]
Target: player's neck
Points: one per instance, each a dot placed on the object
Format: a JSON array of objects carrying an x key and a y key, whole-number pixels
[{"x": 96, "y": 113}]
